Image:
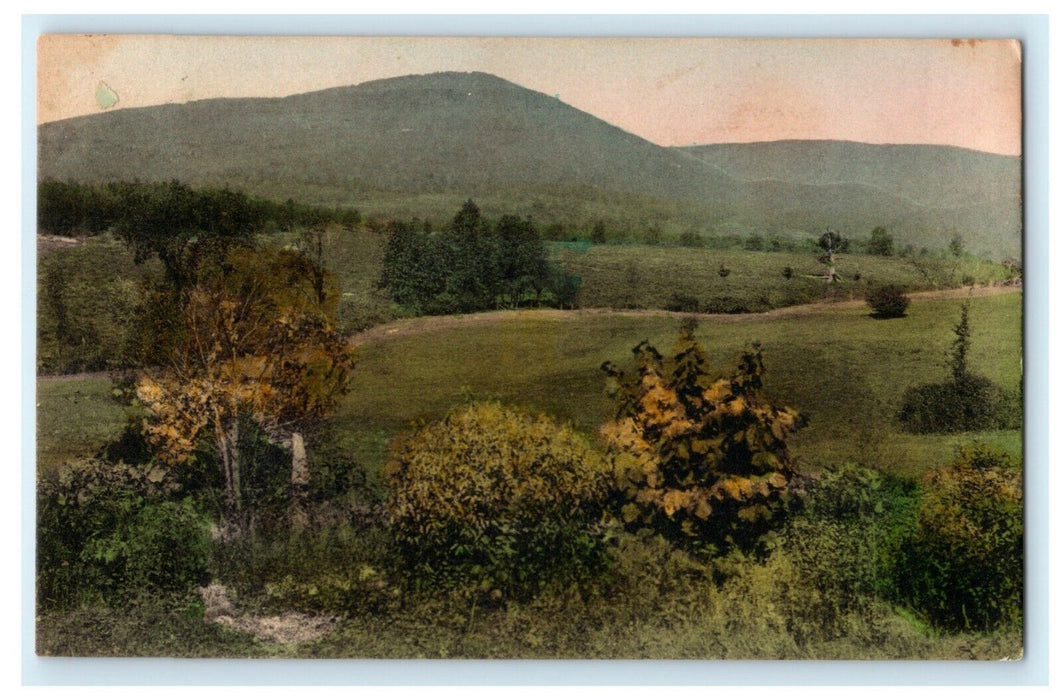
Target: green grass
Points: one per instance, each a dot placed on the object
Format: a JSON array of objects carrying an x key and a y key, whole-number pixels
[
  {"x": 846, "y": 371},
  {"x": 646, "y": 277},
  {"x": 75, "y": 417}
]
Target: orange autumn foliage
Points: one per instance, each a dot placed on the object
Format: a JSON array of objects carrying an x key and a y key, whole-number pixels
[{"x": 700, "y": 459}]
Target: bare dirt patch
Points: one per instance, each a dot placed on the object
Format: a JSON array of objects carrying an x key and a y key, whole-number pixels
[
  {"x": 287, "y": 628},
  {"x": 47, "y": 243}
]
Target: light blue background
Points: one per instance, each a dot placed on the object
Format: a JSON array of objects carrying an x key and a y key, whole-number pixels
[{"x": 1033, "y": 669}]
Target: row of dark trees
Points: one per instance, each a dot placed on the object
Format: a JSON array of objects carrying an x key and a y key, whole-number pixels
[
  {"x": 473, "y": 264},
  {"x": 66, "y": 208}
]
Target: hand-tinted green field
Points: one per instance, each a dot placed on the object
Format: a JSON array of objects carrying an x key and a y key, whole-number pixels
[
  {"x": 846, "y": 371},
  {"x": 647, "y": 277}
]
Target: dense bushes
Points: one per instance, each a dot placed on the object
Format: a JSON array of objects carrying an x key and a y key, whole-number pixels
[
  {"x": 972, "y": 403},
  {"x": 341, "y": 568},
  {"x": 498, "y": 499},
  {"x": 963, "y": 568},
  {"x": 106, "y": 531},
  {"x": 847, "y": 542},
  {"x": 887, "y": 301},
  {"x": 702, "y": 460}
]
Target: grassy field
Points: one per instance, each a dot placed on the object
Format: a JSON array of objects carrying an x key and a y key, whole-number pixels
[
  {"x": 99, "y": 285},
  {"x": 647, "y": 277},
  {"x": 844, "y": 370}
]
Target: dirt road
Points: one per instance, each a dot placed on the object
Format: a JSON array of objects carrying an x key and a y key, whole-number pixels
[{"x": 429, "y": 324}]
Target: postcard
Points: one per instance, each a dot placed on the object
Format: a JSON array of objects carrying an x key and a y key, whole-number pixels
[{"x": 529, "y": 348}]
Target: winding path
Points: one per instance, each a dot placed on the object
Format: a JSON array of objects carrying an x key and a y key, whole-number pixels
[{"x": 428, "y": 324}]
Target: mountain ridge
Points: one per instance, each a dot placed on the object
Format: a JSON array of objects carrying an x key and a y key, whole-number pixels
[{"x": 475, "y": 134}]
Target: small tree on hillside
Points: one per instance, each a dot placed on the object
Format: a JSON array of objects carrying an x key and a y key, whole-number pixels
[
  {"x": 831, "y": 244},
  {"x": 598, "y": 232},
  {"x": 956, "y": 245},
  {"x": 881, "y": 243}
]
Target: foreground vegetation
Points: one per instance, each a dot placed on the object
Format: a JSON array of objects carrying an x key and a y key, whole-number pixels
[{"x": 656, "y": 599}]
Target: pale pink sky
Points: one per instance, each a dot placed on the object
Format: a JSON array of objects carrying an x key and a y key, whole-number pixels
[{"x": 669, "y": 91}]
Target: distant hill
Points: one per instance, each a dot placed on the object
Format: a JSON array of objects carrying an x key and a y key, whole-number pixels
[{"x": 426, "y": 142}]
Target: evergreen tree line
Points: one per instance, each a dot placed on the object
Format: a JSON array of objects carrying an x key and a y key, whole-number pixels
[
  {"x": 472, "y": 265},
  {"x": 65, "y": 208}
]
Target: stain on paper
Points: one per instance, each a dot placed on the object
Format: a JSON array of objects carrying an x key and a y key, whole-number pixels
[{"x": 105, "y": 96}]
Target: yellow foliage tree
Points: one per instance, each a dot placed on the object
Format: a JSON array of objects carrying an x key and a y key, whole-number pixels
[
  {"x": 256, "y": 338},
  {"x": 698, "y": 458}
]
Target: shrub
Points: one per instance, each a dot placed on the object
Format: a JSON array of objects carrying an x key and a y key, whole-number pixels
[
  {"x": 340, "y": 569},
  {"x": 963, "y": 568},
  {"x": 723, "y": 271},
  {"x": 881, "y": 242},
  {"x": 700, "y": 460},
  {"x": 972, "y": 403},
  {"x": 104, "y": 530},
  {"x": 682, "y": 302},
  {"x": 498, "y": 499},
  {"x": 162, "y": 547},
  {"x": 848, "y": 539},
  {"x": 887, "y": 301},
  {"x": 690, "y": 239},
  {"x": 725, "y": 305},
  {"x": 788, "y": 272}
]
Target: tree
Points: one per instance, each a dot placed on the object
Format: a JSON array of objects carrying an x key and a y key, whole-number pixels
[
  {"x": 414, "y": 269},
  {"x": 881, "y": 242},
  {"x": 697, "y": 458},
  {"x": 521, "y": 257},
  {"x": 956, "y": 245},
  {"x": 598, "y": 232},
  {"x": 830, "y": 243},
  {"x": 185, "y": 228},
  {"x": 54, "y": 299},
  {"x": 255, "y": 340},
  {"x": 961, "y": 344},
  {"x": 471, "y": 255}
]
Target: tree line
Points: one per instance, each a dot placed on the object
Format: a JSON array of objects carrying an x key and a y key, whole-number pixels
[
  {"x": 67, "y": 208},
  {"x": 473, "y": 264}
]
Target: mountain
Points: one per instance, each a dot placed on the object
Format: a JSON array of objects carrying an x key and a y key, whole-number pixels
[
  {"x": 435, "y": 139},
  {"x": 932, "y": 176}
]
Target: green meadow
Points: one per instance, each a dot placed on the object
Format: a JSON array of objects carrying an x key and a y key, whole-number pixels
[{"x": 843, "y": 369}]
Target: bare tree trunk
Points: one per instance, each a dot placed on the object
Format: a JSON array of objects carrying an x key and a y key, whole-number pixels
[
  {"x": 226, "y": 436},
  {"x": 300, "y": 483},
  {"x": 234, "y": 460}
]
